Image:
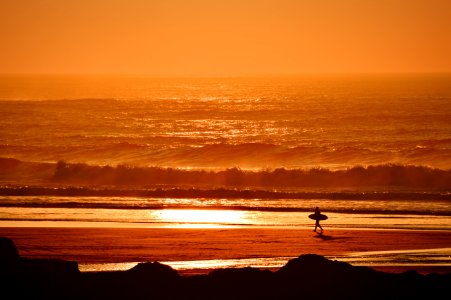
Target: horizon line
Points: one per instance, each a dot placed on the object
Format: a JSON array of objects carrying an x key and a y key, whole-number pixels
[{"x": 268, "y": 75}]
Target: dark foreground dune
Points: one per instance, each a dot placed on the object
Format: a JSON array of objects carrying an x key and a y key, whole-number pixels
[{"x": 309, "y": 276}]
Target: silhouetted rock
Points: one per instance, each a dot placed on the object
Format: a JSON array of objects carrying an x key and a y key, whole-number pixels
[
  {"x": 309, "y": 276},
  {"x": 239, "y": 274},
  {"x": 53, "y": 267},
  {"x": 9, "y": 256},
  {"x": 309, "y": 263},
  {"x": 155, "y": 270},
  {"x": 144, "y": 281},
  {"x": 314, "y": 276},
  {"x": 23, "y": 278},
  {"x": 240, "y": 283}
]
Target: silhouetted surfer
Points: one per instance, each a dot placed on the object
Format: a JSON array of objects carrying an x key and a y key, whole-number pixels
[{"x": 317, "y": 217}]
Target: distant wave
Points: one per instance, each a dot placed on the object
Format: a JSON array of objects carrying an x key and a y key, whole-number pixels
[
  {"x": 209, "y": 193},
  {"x": 388, "y": 175},
  {"x": 379, "y": 175},
  {"x": 206, "y": 152}
]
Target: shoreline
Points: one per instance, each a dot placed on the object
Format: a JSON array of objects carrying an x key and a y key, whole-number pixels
[
  {"x": 122, "y": 245},
  {"x": 56, "y": 279},
  {"x": 423, "y": 270},
  {"x": 29, "y": 224},
  {"x": 422, "y": 261}
]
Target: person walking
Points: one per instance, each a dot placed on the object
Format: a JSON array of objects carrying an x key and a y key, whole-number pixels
[{"x": 317, "y": 218}]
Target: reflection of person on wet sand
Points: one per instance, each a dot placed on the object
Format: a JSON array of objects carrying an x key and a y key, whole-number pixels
[{"x": 317, "y": 214}]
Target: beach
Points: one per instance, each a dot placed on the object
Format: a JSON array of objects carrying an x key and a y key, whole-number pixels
[
  {"x": 189, "y": 149},
  {"x": 122, "y": 245},
  {"x": 38, "y": 278}
]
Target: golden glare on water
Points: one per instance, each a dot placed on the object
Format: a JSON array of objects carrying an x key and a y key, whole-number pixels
[{"x": 198, "y": 218}]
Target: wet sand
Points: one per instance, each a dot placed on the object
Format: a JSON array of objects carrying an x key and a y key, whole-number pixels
[{"x": 113, "y": 245}]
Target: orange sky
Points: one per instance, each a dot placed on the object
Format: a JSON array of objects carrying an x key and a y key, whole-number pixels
[{"x": 224, "y": 38}]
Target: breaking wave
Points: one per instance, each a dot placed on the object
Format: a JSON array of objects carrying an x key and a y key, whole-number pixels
[
  {"x": 183, "y": 151},
  {"x": 379, "y": 175},
  {"x": 387, "y": 175},
  {"x": 216, "y": 193},
  {"x": 224, "y": 155}
]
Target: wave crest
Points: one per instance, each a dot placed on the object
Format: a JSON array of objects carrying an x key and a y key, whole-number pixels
[
  {"x": 386, "y": 175},
  {"x": 379, "y": 175}
]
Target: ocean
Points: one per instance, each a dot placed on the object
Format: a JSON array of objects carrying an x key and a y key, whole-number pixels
[
  {"x": 332, "y": 122},
  {"x": 386, "y": 134},
  {"x": 372, "y": 151},
  {"x": 370, "y": 133}
]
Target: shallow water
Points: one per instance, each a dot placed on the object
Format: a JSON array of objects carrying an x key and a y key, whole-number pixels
[
  {"x": 183, "y": 213},
  {"x": 414, "y": 258},
  {"x": 173, "y": 218}
]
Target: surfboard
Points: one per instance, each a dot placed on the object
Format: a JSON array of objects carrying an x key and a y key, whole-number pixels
[{"x": 318, "y": 217}]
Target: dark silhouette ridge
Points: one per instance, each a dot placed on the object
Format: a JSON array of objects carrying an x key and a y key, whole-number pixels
[
  {"x": 8, "y": 251},
  {"x": 309, "y": 276},
  {"x": 22, "y": 278}
]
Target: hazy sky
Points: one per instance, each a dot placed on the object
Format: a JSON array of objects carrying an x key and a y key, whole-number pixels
[{"x": 230, "y": 37}]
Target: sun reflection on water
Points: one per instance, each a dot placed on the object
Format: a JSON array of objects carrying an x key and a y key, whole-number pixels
[{"x": 199, "y": 218}]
